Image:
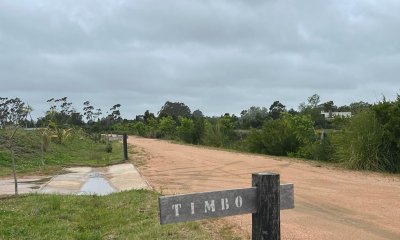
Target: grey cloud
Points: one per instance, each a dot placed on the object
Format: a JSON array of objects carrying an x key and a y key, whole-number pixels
[{"x": 219, "y": 56}]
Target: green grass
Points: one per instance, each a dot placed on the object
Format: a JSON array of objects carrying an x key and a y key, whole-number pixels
[
  {"x": 75, "y": 151},
  {"x": 125, "y": 215}
]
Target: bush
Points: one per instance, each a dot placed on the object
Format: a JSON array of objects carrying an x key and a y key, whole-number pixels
[
  {"x": 220, "y": 134},
  {"x": 109, "y": 147},
  {"x": 213, "y": 135},
  {"x": 186, "y": 130},
  {"x": 199, "y": 128},
  {"x": 167, "y": 127},
  {"x": 361, "y": 144},
  {"x": 140, "y": 129},
  {"x": 274, "y": 138},
  {"x": 318, "y": 150},
  {"x": 388, "y": 115}
]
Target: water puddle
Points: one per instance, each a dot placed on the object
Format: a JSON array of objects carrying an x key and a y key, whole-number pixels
[{"x": 96, "y": 185}]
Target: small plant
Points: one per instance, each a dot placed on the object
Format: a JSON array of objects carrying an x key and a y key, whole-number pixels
[
  {"x": 58, "y": 134},
  {"x": 109, "y": 147}
]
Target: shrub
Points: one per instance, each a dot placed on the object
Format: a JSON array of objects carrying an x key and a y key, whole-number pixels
[
  {"x": 167, "y": 127},
  {"x": 220, "y": 134},
  {"x": 109, "y": 147},
  {"x": 317, "y": 150},
  {"x": 361, "y": 144},
  {"x": 274, "y": 138},
  {"x": 186, "y": 129},
  {"x": 213, "y": 135},
  {"x": 140, "y": 129}
]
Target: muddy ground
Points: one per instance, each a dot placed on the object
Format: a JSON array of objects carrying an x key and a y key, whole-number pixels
[{"x": 330, "y": 203}]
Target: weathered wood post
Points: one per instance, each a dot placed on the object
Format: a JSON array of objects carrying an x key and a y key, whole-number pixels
[
  {"x": 265, "y": 199},
  {"x": 266, "y": 221},
  {"x": 125, "y": 143}
]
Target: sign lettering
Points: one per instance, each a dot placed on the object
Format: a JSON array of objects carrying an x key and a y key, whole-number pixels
[
  {"x": 176, "y": 208},
  {"x": 209, "y": 207},
  {"x": 181, "y": 208}
]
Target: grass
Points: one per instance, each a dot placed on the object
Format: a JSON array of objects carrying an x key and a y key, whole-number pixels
[
  {"x": 125, "y": 215},
  {"x": 75, "y": 151}
]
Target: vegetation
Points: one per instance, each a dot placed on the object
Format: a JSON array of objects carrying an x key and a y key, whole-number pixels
[
  {"x": 125, "y": 215},
  {"x": 369, "y": 140},
  {"x": 75, "y": 150},
  {"x": 359, "y": 144}
]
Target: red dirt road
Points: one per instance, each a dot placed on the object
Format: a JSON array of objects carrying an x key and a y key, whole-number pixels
[{"x": 329, "y": 203}]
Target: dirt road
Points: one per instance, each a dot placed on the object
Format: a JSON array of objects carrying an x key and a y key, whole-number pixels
[{"x": 330, "y": 203}]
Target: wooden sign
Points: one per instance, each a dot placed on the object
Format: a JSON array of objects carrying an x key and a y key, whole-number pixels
[
  {"x": 264, "y": 200},
  {"x": 190, "y": 207}
]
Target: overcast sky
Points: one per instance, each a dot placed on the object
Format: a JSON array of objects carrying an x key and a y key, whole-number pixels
[{"x": 216, "y": 56}]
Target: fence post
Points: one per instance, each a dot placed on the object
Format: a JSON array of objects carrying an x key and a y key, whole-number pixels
[
  {"x": 125, "y": 142},
  {"x": 266, "y": 221}
]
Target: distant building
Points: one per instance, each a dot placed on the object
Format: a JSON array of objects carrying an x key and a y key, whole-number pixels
[{"x": 330, "y": 115}]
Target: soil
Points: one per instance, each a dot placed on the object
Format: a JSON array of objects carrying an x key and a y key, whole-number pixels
[{"x": 330, "y": 203}]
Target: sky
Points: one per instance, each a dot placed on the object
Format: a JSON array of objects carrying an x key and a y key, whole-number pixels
[{"x": 219, "y": 56}]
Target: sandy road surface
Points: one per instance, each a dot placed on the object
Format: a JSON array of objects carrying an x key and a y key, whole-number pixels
[{"x": 330, "y": 203}]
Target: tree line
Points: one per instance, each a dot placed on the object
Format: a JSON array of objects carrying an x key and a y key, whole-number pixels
[{"x": 369, "y": 139}]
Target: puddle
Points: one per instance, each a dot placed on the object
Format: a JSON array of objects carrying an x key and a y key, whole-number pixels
[{"x": 96, "y": 185}]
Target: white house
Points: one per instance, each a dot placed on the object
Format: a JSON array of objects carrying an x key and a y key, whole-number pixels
[{"x": 330, "y": 115}]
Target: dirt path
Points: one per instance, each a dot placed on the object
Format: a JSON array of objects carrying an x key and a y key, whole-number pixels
[{"x": 330, "y": 203}]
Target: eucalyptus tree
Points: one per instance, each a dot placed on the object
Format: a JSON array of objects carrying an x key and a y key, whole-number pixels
[
  {"x": 13, "y": 112},
  {"x": 115, "y": 113},
  {"x": 88, "y": 111},
  {"x": 97, "y": 114},
  {"x": 174, "y": 110},
  {"x": 61, "y": 113},
  {"x": 3, "y": 111},
  {"x": 253, "y": 117},
  {"x": 276, "y": 109}
]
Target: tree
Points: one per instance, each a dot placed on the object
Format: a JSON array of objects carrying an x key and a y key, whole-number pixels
[
  {"x": 88, "y": 111},
  {"x": 29, "y": 109},
  {"x": 147, "y": 115},
  {"x": 4, "y": 111},
  {"x": 62, "y": 113},
  {"x": 276, "y": 109},
  {"x": 293, "y": 112},
  {"x": 329, "y": 106},
  {"x": 313, "y": 101},
  {"x": 115, "y": 114},
  {"x": 343, "y": 108},
  {"x": 66, "y": 107},
  {"x": 253, "y": 117},
  {"x": 174, "y": 110},
  {"x": 301, "y": 126},
  {"x": 13, "y": 112},
  {"x": 357, "y": 107},
  {"x": 97, "y": 114},
  {"x": 199, "y": 126},
  {"x": 313, "y": 109},
  {"x": 198, "y": 114}
]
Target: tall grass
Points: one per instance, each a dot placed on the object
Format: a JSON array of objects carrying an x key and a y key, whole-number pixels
[{"x": 361, "y": 145}]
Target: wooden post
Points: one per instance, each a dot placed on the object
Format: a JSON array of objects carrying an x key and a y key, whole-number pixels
[
  {"x": 125, "y": 142},
  {"x": 266, "y": 221}
]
